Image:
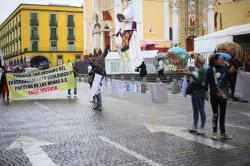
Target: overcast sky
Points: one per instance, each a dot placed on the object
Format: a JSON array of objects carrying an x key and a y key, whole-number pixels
[{"x": 8, "y": 6}]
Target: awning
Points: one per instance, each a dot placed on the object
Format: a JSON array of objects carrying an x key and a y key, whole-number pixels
[{"x": 208, "y": 43}]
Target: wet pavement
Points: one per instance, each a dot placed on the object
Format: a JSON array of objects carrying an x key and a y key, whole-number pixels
[{"x": 54, "y": 130}]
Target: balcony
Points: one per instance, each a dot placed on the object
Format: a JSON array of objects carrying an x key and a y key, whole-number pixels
[
  {"x": 34, "y": 37},
  {"x": 53, "y": 37},
  {"x": 71, "y": 37},
  {"x": 71, "y": 24},
  {"x": 34, "y": 22},
  {"x": 53, "y": 23}
]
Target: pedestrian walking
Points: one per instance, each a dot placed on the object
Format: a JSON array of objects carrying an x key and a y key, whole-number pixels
[
  {"x": 234, "y": 67},
  {"x": 216, "y": 82},
  {"x": 97, "y": 69},
  {"x": 6, "y": 98},
  {"x": 160, "y": 68},
  {"x": 75, "y": 71},
  {"x": 142, "y": 69},
  {"x": 197, "y": 83}
]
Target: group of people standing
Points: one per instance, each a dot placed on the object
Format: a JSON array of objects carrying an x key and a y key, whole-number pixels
[{"x": 213, "y": 80}]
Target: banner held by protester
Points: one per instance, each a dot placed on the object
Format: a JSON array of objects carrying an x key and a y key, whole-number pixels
[{"x": 33, "y": 83}]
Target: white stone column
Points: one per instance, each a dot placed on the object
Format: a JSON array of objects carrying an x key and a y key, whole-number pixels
[
  {"x": 111, "y": 42},
  {"x": 210, "y": 16},
  {"x": 166, "y": 19},
  {"x": 102, "y": 44},
  {"x": 175, "y": 10},
  {"x": 85, "y": 24}
]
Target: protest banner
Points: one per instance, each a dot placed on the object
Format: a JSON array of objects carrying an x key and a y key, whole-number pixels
[
  {"x": 27, "y": 84},
  {"x": 159, "y": 93},
  {"x": 118, "y": 88},
  {"x": 95, "y": 89},
  {"x": 131, "y": 87},
  {"x": 242, "y": 90}
]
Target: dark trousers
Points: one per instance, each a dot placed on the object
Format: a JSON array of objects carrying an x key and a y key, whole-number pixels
[
  {"x": 233, "y": 83},
  {"x": 219, "y": 107},
  {"x": 161, "y": 73}
]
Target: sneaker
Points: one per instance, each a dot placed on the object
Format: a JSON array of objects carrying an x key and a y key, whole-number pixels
[
  {"x": 69, "y": 96},
  {"x": 75, "y": 95},
  {"x": 92, "y": 101},
  {"x": 201, "y": 131},
  {"x": 225, "y": 136},
  {"x": 214, "y": 136},
  {"x": 98, "y": 108},
  {"x": 193, "y": 129}
]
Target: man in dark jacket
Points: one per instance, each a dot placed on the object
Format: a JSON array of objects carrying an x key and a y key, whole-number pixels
[
  {"x": 97, "y": 69},
  {"x": 143, "y": 69}
]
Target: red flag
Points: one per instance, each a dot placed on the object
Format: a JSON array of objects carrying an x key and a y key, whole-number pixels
[{"x": 106, "y": 16}]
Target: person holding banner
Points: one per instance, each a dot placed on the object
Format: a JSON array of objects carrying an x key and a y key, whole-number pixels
[
  {"x": 216, "y": 81},
  {"x": 197, "y": 79},
  {"x": 75, "y": 71},
  {"x": 97, "y": 69},
  {"x": 5, "y": 87}
]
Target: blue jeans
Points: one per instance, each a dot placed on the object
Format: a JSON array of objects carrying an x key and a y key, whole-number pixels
[
  {"x": 198, "y": 102},
  {"x": 75, "y": 89},
  {"x": 99, "y": 99}
]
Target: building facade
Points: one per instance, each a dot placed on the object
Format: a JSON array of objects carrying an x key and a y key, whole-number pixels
[
  {"x": 42, "y": 34},
  {"x": 161, "y": 24}
]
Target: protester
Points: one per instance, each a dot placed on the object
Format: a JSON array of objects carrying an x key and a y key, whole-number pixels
[
  {"x": 96, "y": 69},
  {"x": 5, "y": 86},
  {"x": 198, "y": 76},
  {"x": 234, "y": 67},
  {"x": 160, "y": 68},
  {"x": 143, "y": 69},
  {"x": 216, "y": 81},
  {"x": 75, "y": 71}
]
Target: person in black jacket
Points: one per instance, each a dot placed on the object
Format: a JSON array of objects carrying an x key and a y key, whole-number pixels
[
  {"x": 97, "y": 69},
  {"x": 143, "y": 69},
  {"x": 216, "y": 81}
]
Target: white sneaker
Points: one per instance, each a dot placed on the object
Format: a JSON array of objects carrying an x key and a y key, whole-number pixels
[
  {"x": 201, "y": 131},
  {"x": 75, "y": 95},
  {"x": 193, "y": 129}
]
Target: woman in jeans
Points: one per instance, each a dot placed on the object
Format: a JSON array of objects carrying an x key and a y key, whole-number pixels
[
  {"x": 198, "y": 94},
  {"x": 216, "y": 78}
]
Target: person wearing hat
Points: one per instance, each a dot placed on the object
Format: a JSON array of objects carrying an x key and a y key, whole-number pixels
[{"x": 198, "y": 94}]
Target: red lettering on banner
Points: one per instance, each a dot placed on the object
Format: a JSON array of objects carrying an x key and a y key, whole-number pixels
[{"x": 43, "y": 90}]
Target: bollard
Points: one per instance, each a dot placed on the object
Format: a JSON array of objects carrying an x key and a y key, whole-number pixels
[
  {"x": 132, "y": 79},
  {"x": 80, "y": 78},
  {"x": 122, "y": 77},
  {"x": 158, "y": 80}
]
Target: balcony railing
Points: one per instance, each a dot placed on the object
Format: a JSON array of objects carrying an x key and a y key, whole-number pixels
[
  {"x": 34, "y": 37},
  {"x": 71, "y": 24},
  {"x": 71, "y": 37},
  {"x": 53, "y": 37},
  {"x": 34, "y": 22},
  {"x": 53, "y": 23}
]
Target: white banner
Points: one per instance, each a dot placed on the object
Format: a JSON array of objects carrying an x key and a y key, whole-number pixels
[
  {"x": 95, "y": 89},
  {"x": 159, "y": 93},
  {"x": 242, "y": 89},
  {"x": 131, "y": 87}
]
